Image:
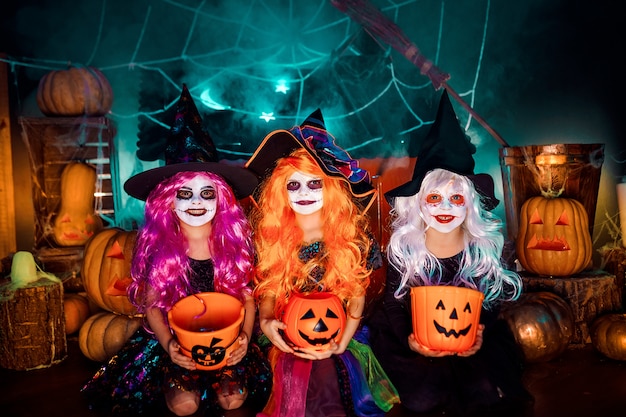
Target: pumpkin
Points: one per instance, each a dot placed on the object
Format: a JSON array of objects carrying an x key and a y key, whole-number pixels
[
  {"x": 542, "y": 324},
  {"x": 106, "y": 269},
  {"x": 446, "y": 317},
  {"x": 76, "y": 220},
  {"x": 553, "y": 237},
  {"x": 76, "y": 91},
  {"x": 608, "y": 335},
  {"x": 76, "y": 310},
  {"x": 207, "y": 327},
  {"x": 103, "y": 334},
  {"x": 313, "y": 320}
]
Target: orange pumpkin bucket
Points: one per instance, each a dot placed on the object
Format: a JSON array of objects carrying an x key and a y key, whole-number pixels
[
  {"x": 446, "y": 317},
  {"x": 207, "y": 326},
  {"x": 313, "y": 320}
]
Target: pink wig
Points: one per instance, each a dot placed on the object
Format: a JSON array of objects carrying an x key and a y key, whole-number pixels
[{"x": 160, "y": 266}]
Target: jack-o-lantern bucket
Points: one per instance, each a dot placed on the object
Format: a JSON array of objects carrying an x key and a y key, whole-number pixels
[
  {"x": 313, "y": 320},
  {"x": 207, "y": 327},
  {"x": 446, "y": 317}
]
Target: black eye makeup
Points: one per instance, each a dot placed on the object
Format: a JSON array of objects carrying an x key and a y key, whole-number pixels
[
  {"x": 316, "y": 184},
  {"x": 208, "y": 194},
  {"x": 186, "y": 194}
]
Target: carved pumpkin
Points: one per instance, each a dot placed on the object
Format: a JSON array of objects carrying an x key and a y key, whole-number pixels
[
  {"x": 313, "y": 320},
  {"x": 76, "y": 310},
  {"x": 106, "y": 269},
  {"x": 608, "y": 335},
  {"x": 542, "y": 323},
  {"x": 104, "y": 333},
  {"x": 207, "y": 327},
  {"x": 77, "y": 91},
  {"x": 446, "y": 317},
  {"x": 76, "y": 221},
  {"x": 553, "y": 237}
]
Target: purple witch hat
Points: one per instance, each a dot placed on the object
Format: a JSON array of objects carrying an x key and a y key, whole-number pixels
[
  {"x": 315, "y": 139},
  {"x": 189, "y": 148}
]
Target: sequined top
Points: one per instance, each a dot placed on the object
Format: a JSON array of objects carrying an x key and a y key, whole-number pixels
[
  {"x": 201, "y": 276},
  {"x": 315, "y": 252}
]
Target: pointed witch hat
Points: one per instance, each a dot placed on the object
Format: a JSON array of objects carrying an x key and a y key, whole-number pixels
[
  {"x": 446, "y": 146},
  {"x": 315, "y": 139},
  {"x": 189, "y": 148}
]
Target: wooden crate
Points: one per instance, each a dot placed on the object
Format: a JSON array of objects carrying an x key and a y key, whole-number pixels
[
  {"x": 52, "y": 143},
  {"x": 589, "y": 294}
]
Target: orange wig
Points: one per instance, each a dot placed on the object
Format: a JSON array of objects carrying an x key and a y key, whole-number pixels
[{"x": 278, "y": 238}]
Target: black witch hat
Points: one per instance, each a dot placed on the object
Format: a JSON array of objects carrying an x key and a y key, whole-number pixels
[
  {"x": 446, "y": 146},
  {"x": 189, "y": 148},
  {"x": 315, "y": 139}
]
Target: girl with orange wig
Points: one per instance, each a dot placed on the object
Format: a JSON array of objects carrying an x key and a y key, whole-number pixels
[{"x": 312, "y": 236}]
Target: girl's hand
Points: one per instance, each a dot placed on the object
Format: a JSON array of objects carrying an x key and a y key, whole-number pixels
[
  {"x": 425, "y": 351},
  {"x": 271, "y": 328},
  {"x": 477, "y": 344},
  {"x": 314, "y": 354},
  {"x": 173, "y": 349},
  {"x": 240, "y": 352}
]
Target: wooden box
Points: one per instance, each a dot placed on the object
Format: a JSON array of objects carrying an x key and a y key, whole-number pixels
[{"x": 52, "y": 143}]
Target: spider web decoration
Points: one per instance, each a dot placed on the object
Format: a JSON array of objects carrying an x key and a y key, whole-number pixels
[{"x": 260, "y": 65}]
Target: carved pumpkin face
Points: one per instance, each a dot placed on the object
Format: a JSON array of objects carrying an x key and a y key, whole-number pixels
[
  {"x": 207, "y": 327},
  {"x": 106, "y": 269},
  {"x": 209, "y": 357},
  {"x": 446, "y": 317},
  {"x": 553, "y": 237},
  {"x": 314, "y": 320}
]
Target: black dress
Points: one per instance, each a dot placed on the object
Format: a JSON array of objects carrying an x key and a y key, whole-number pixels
[
  {"x": 132, "y": 381},
  {"x": 488, "y": 381}
]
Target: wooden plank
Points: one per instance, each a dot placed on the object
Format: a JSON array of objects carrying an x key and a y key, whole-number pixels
[{"x": 7, "y": 198}]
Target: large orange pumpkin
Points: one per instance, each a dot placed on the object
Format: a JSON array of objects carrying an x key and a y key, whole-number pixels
[
  {"x": 313, "y": 320},
  {"x": 104, "y": 334},
  {"x": 553, "y": 237},
  {"x": 542, "y": 323},
  {"x": 76, "y": 91},
  {"x": 106, "y": 269},
  {"x": 446, "y": 317}
]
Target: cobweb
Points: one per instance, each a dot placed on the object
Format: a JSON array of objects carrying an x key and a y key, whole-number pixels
[{"x": 255, "y": 66}]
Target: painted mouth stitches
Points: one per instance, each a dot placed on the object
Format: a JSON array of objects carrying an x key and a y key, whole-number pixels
[
  {"x": 196, "y": 212},
  {"x": 306, "y": 202},
  {"x": 444, "y": 218}
]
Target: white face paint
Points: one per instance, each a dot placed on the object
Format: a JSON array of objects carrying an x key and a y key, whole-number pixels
[
  {"x": 444, "y": 209},
  {"x": 196, "y": 202},
  {"x": 306, "y": 193}
]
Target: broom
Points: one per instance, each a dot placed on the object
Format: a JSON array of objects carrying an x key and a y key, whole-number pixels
[{"x": 377, "y": 24}]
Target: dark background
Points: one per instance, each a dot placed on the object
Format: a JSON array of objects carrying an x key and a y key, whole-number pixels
[{"x": 548, "y": 71}]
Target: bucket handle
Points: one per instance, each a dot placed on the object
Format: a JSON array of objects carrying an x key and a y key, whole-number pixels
[{"x": 197, "y": 316}]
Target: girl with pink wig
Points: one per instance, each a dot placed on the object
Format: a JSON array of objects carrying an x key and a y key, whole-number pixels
[{"x": 195, "y": 238}]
